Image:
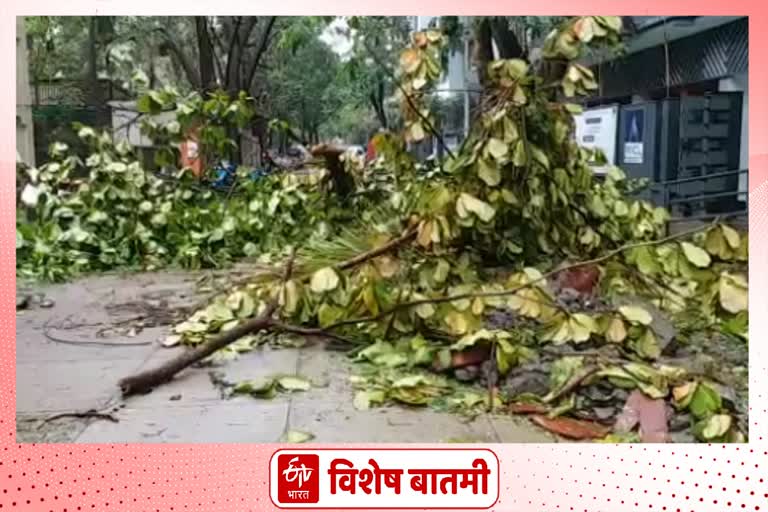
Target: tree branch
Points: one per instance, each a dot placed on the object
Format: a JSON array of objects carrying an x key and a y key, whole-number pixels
[
  {"x": 148, "y": 379},
  {"x": 183, "y": 59},
  {"x": 232, "y": 39},
  {"x": 430, "y": 128},
  {"x": 265, "y": 38},
  {"x": 512, "y": 291}
]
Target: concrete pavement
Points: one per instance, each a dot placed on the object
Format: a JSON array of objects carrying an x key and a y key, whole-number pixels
[{"x": 76, "y": 375}]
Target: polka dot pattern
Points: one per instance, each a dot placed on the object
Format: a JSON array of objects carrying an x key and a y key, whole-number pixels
[{"x": 588, "y": 478}]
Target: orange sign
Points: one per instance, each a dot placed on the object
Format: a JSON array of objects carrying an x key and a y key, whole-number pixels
[{"x": 190, "y": 154}]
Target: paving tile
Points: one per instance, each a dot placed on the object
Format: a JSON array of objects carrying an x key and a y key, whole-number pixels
[
  {"x": 240, "y": 420},
  {"x": 513, "y": 429},
  {"x": 69, "y": 385}
]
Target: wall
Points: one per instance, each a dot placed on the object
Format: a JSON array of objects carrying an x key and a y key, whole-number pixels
[
  {"x": 127, "y": 126},
  {"x": 25, "y": 141},
  {"x": 740, "y": 82}
]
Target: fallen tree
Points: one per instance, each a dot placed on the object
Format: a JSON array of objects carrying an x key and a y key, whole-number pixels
[{"x": 582, "y": 266}]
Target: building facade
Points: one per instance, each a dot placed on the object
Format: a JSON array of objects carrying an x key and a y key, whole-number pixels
[
  {"x": 678, "y": 102},
  {"x": 25, "y": 137}
]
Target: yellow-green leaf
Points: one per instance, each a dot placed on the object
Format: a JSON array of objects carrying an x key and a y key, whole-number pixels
[
  {"x": 582, "y": 326},
  {"x": 497, "y": 148},
  {"x": 457, "y": 322},
  {"x": 732, "y": 236},
  {"x": 696, "y": 255},
  {"x": 715, "y": 426},
  {"x": 636, "y": 314},
  {"x": 734, "y": 294},
  {"x": 520, "y": 157},
  {"x": 616, "y": 332},
  {"x": 416, "y": 131},
  {"x": 489, "y": 173},
  {"x": 468, "y": 203},
  {"x": 296, "y": 436},
  {"x": 324, "y": 280},
  {"x": 294, "y": 384}
]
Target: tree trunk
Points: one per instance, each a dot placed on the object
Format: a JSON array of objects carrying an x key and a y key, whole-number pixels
[
  {"x": 376, "y": 98},
  {"x": 483, "y": 49},
  {"x": 94, "y": 95},
  {"x": 506, "y": 40},
  {"x": 205, "y": 54}
]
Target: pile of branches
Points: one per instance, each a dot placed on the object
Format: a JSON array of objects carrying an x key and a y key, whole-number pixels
[
  {"x": 516, "y": 226},
  {"x": 105, "y": 210}
]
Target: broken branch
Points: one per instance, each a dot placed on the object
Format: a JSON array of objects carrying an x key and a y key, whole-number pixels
[{"x": 516, "y": 289}]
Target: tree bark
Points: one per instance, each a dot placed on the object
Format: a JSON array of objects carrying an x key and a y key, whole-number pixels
[
  {"x": 145, "y": 381},
  {"x": 205, "y": 55},
  {"x": 94, "y": 95},
  {"x": 182, "y": 59},
  {"x": 483, "y": 49},
  {"x": 240, "y": 34},
  {"x": 506, "y": 40},
  {"x": 263, "y": 45},
  {"x": 376, "y": 98}
]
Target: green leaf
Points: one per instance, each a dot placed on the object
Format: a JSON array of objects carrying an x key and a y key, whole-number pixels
[
  {"x": 645, "y": 261},
  {"x": 259, "y": 388},
  {"x": 705, "y": 401},
  {"x": 647, "y": 346},
  {"x": 696, "y": 255},
  {"x": 328, "y": 314},
  {"x": 563, "y": 370},
  {"x": 573, "y": 108},
  {"x": 441, "y": 271},
  {"x": 714, "y": 427},
  {"x": 539, "y": 156},
  {"x": 219, "y": 312}
]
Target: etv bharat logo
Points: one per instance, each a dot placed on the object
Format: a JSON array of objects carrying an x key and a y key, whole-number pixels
[{"x": 298, "y": 479}]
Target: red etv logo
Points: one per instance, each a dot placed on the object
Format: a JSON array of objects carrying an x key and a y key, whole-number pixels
[{"x": 298, "y": 478}]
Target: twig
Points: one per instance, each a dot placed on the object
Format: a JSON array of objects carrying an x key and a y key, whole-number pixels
[
  {"x": 492, "y": 368},
  {"x": 512, "y": 291},
  {"x": 345, "y": 265},
  {"x": 430, "y": 127},
  {"x": 378, "y": 251},
  {"x": 65, "y": 341},
  {"x": 311, "y": 331},
  {"x": 572, "y": 384},
  {"x": 148, "y": 379},
  {"x": 87, "y": 414}
]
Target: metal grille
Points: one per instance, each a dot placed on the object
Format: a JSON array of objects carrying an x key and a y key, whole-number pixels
[{"x": 705, "y": 56}]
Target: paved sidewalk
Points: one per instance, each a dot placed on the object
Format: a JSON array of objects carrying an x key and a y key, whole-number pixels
[{"x": 54, "y": 377}]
